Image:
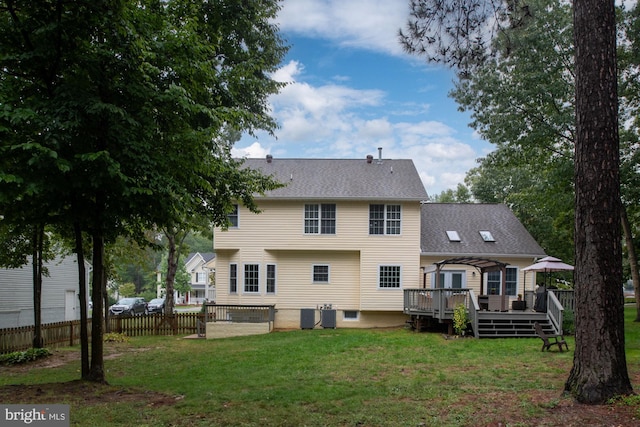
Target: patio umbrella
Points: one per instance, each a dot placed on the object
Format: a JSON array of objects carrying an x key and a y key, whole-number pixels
[{"x": 548, "y": 264}]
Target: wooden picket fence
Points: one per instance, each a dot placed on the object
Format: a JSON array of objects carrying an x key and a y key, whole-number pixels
[{"x": 61, "y": 334}]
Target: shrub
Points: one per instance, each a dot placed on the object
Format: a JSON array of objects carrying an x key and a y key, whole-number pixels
[
  {"x": 460, "y": 319},
  {"x": 568, "y": 320},
  {"x": 115, "y": 337},
  {"x": 24, "y": 356}
]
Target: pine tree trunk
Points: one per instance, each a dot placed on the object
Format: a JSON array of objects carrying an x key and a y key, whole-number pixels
[
  {"x": 37, "y": 243},
  {"x": 599, "y": 365}
]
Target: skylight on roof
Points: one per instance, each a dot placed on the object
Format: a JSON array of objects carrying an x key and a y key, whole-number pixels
[
  {"x": 487, "y": 236},
  {"x": 453, "y": 236}
]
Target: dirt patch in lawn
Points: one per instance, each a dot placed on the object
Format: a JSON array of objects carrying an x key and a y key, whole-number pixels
[{"x": 78, "y": 391}]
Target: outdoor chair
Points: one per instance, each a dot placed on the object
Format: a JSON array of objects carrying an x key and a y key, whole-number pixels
[{"x": 550, "y": 339}]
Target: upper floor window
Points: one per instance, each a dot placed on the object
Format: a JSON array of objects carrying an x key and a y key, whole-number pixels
[
  {"x": 201, "y": 277},
  {"x": 389, "y": 276},
  {"x": 384, "y": 219},
  {"x": 320, "y": 218},
  {"x": 233, "y": 217}
]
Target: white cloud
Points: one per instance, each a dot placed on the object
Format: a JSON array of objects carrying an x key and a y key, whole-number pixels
[
  {"x": 367, "y": 24},
  {"x": 338, "y": 118}
]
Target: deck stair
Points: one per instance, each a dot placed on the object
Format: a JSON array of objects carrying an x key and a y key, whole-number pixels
[{"x": 510, "y": 324}]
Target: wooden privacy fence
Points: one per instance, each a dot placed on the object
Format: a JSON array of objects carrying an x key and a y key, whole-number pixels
[
  {"x": 68, "y": 333},
  {"x": 56, "y": 334}
]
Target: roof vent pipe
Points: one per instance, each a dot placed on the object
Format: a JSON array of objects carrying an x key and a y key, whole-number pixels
[
  {"x": 379, "y": 154},
  {"x": 269, "y": 158},
  {"x": 369, "y": 158}
]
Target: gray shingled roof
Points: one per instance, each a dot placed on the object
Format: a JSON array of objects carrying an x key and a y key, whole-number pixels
[
  {"x": 511, "y": 238},
  {"x": 343, "y": 179}
]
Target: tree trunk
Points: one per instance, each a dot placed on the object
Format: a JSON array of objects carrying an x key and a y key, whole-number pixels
[
  {"x": 96, "y": 372},
  {"x": 599, "y": 365},
  {"x": 633, "y": 259},
  {"x": 82, "y": 294},
  {"x": 172, "y": 267},
  {"x": 36, "y": 261}
]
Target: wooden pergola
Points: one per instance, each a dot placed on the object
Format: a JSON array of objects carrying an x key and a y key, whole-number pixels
[{"x": 483, "y": 265}]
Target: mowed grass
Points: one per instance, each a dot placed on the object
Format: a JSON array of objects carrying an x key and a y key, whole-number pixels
[{"x": 327, "y": 377}]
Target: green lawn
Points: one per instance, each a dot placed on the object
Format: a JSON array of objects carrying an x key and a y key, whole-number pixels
[{"x": 330, "y": 377}]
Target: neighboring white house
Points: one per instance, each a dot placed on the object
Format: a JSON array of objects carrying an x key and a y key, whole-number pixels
[
  {"x": 60, "y": 296},
  {"x": 200, "y": 267}
]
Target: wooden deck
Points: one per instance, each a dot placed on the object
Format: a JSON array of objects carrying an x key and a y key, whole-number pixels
[{"x": 493, "y": 320}]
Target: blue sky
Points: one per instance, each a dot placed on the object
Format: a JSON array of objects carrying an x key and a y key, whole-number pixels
[{"x": 351, "y": 89}]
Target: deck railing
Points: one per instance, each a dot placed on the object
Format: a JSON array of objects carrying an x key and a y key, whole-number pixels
[
  {"x": 438, "y": 302},
  {"x": 239, "y": 313},
  {"x": 554, "y": 311}
]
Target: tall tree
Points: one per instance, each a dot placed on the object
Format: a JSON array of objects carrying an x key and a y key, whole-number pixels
[
  {"x": 601, "y": 373},
  {"x": 597, "y": 375},
  {"x": 126, "y": 98}
]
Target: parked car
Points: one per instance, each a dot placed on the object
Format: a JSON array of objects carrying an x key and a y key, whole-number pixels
[
  {"x": 156, "y": 305},
  {"x": 628, "y": 293},
  {"x": 129, "y": 306}
]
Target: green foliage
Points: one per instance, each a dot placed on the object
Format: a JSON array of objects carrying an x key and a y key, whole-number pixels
[
  {"x": 127, "y": 290},
  {"x": 460, "y": 319},
  {"x": 18, "y": 357},
  {"x": 568, "y": 322}
]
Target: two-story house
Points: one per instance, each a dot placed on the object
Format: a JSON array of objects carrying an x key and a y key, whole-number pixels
[
  {"x": 342, "y": 233},
  {"x": 353, "y": 234}
]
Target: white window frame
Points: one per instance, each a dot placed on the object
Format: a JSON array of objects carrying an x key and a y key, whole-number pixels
[
  {"x": 274, "y": 279},
  {"x": 380, "y": 276},
  {"x": 235, "y": 213},
  {"x": 316, "y": 224},
  {"x": 509, "y": 284},
  {"x": 391, "y": 220},
  {"x": 350, "y": 318},
  {"x": 448, "y": 278},
  {"x": 245, "y": 277},
  {"x": 313, "y": 274},
  {"x": 233, "y": 278}
]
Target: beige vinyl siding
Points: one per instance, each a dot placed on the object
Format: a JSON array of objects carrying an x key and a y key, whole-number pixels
[{"x": 276, "y": 236}]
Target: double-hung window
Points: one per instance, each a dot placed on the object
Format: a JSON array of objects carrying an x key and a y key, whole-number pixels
[
  {"x": 320, "y": 274},
  {"x": 320, "y": 218},
  {"x": 233, "y": 278},
  {"x": 271, "y": 278},
  {"x": 494, "y": 281},
  {"x": 389, "y": 277},
  {"x": 385, "y": 219},
  {"x": 251, "y": 278},
  {"x": 201, "y": 277},
  {"x": 233, "y": 217}
]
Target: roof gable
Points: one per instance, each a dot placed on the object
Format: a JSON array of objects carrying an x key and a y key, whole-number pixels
[
  {"x": 334, "y": 179},
  {"x": 470, "y": 221}
]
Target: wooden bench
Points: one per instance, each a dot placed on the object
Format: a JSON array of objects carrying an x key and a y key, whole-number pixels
[{"x": 549, "y": 339}]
